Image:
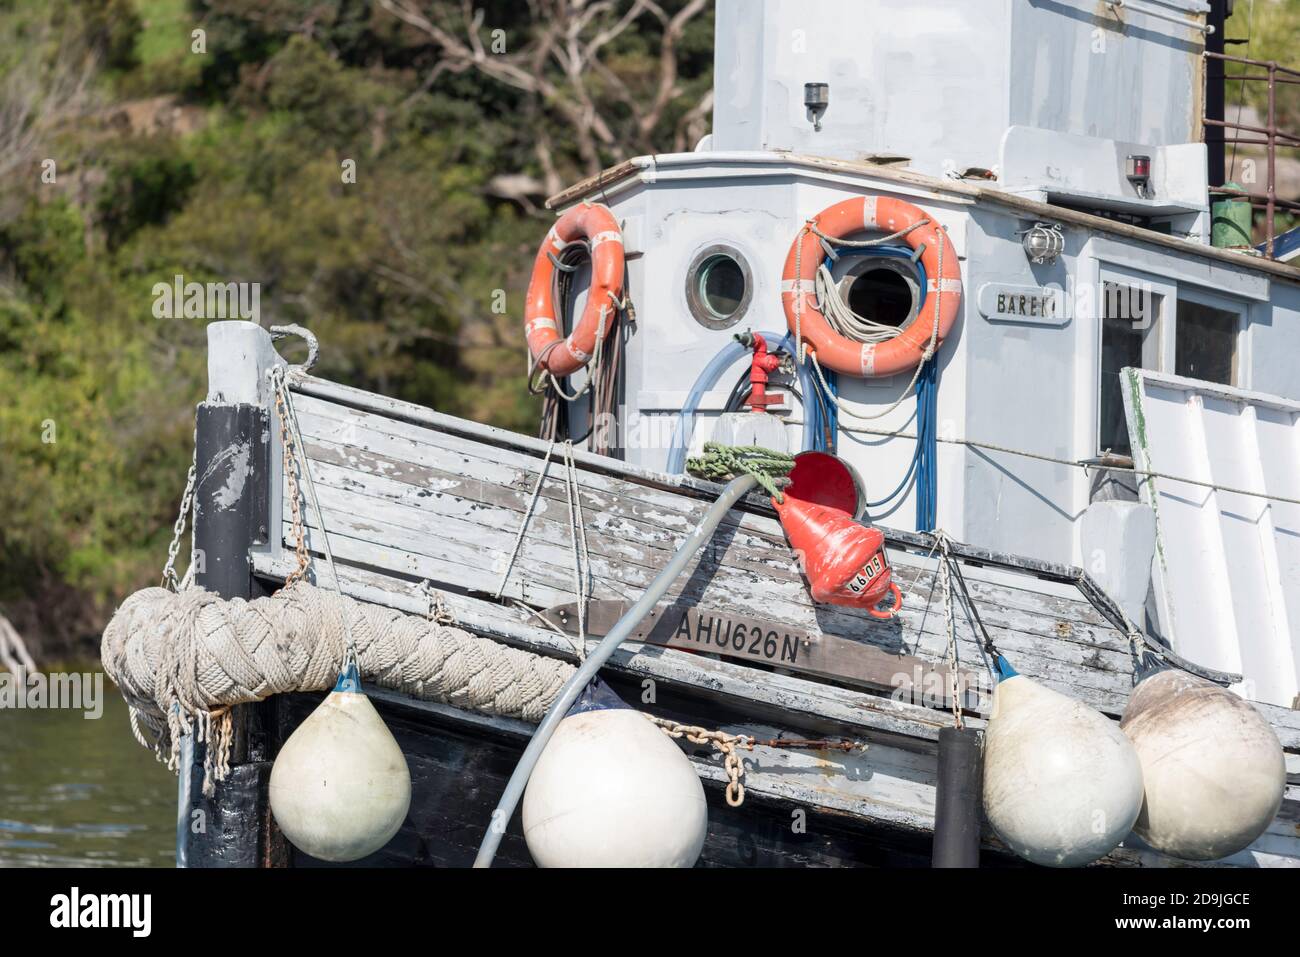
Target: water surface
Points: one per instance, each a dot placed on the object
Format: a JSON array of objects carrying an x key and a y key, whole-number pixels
[{"x": 79, "y": 793}]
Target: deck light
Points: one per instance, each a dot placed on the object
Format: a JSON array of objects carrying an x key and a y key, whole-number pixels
[
  {"x": 1043, "y": 242},
  {"x": 816, "y": 96}
]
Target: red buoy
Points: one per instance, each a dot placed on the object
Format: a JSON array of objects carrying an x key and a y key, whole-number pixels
[
  {"x": 827, "y": 479},
  {"x": 843, "y": 560}
]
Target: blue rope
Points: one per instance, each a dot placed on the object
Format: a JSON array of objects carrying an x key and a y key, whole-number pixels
[
  {"x": 922, "y": 465},
  {"x": 832, "y": 411},
  {"x": 820, "y": 405}
]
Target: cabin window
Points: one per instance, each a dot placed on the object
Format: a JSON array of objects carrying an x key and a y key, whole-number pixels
[
  {"x": 1205, "y": 344},
  {"x": 719, "y": 287},
  {"x": 1129, "y": 339}
]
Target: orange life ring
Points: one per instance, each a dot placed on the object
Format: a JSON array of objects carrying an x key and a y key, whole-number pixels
[
  {"x": 560, "y": 357},
  {"x": 869, "y": 359}
]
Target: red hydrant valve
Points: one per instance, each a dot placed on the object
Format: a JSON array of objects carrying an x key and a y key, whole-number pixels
[{"x": 761, "y": 365}]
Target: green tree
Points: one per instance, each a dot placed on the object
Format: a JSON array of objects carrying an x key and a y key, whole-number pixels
[{"x": 381, "y": 189}]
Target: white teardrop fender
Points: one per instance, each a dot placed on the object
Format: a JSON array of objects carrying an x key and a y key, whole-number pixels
[{"x": 340, "y": 788}]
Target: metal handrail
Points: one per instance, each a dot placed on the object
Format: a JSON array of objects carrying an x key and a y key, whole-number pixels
[{"x": 1270, "y": 136}]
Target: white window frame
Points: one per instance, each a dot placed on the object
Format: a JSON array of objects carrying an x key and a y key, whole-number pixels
[
  {"x": 1201, "y": 296},
  {"x": 1166, "y": 293}
]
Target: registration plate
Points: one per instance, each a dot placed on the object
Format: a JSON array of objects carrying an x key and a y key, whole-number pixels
[{"x": 770, "y": 643}]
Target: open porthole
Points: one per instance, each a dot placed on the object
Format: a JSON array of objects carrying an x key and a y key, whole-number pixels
[
  {"x": 719, "y": 287},
  {"x": 884, "y": 289}
]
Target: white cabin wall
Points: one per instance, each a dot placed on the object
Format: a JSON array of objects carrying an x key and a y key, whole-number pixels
[
  {"x": 1026, "y": 387},
  {"x": 686, "y": 210},
  {"x": 673, "y": 222},
  {"x": 924, "y": 79},
  {"x": 1077, "y": 69},
  {"x": 1022, "y": 383},
  {"x": 1272, "y": 343},
  {"x": 1053, "y": 94}
]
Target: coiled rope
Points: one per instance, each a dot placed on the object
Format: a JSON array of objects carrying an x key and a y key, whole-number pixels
[
  {"x": 839, "y": 315},
  {"x": 725, "y": 462},
  {"x": 182, "y": 659}
]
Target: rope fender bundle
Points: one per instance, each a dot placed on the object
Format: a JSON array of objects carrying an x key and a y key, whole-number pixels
[{"x": 181, "y": 659}]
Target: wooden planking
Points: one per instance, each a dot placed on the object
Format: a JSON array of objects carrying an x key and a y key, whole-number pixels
[
  {"x": 814, "y": 707},
  {"x": 1067, "y": 660},
  {"x": 627, "y": 527},
  {"x": 1000, "y": 598},
  {"x": 377, "y": 557},
  {"x": 381, "y": 557},
  {"x": 675, "y": 510},
  {"x": 633, "y": 564},
  {"x": 547, "y": 567},
  {"x": 455, "y": 564}
]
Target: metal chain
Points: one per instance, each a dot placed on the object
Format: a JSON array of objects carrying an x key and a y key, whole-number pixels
[
  {"x": 437, "y": 612},
  {"x": 291, "y": 478},
  {"x": 727, "y": 744},
  {"x": 723, "y": 742},
  {"x": 178, "y": 530}
]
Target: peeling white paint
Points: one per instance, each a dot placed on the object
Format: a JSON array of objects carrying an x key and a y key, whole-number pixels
[{"x": 232, "y": 491}]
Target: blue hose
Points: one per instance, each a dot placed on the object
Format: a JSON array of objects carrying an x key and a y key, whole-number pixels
[
  {"x": 812, "y": 431},
  {"x": 927, "y": 478},
  {"x": 923, "y": 467}
]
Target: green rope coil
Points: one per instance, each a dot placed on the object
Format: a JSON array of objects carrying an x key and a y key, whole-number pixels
[{"x": 724, "y": 462}]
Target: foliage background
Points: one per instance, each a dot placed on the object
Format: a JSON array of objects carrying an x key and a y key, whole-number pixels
[{"x": 226, "y": 166}]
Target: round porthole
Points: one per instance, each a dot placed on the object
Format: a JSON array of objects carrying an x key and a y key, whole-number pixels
[
  {"x": 883, "y": 289},
  {"x": 719, "y": 287}
]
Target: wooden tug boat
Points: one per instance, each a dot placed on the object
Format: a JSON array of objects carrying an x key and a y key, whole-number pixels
[
  {"x": 411, "y": 497},
  {"x": 1070, "y": 558}
]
